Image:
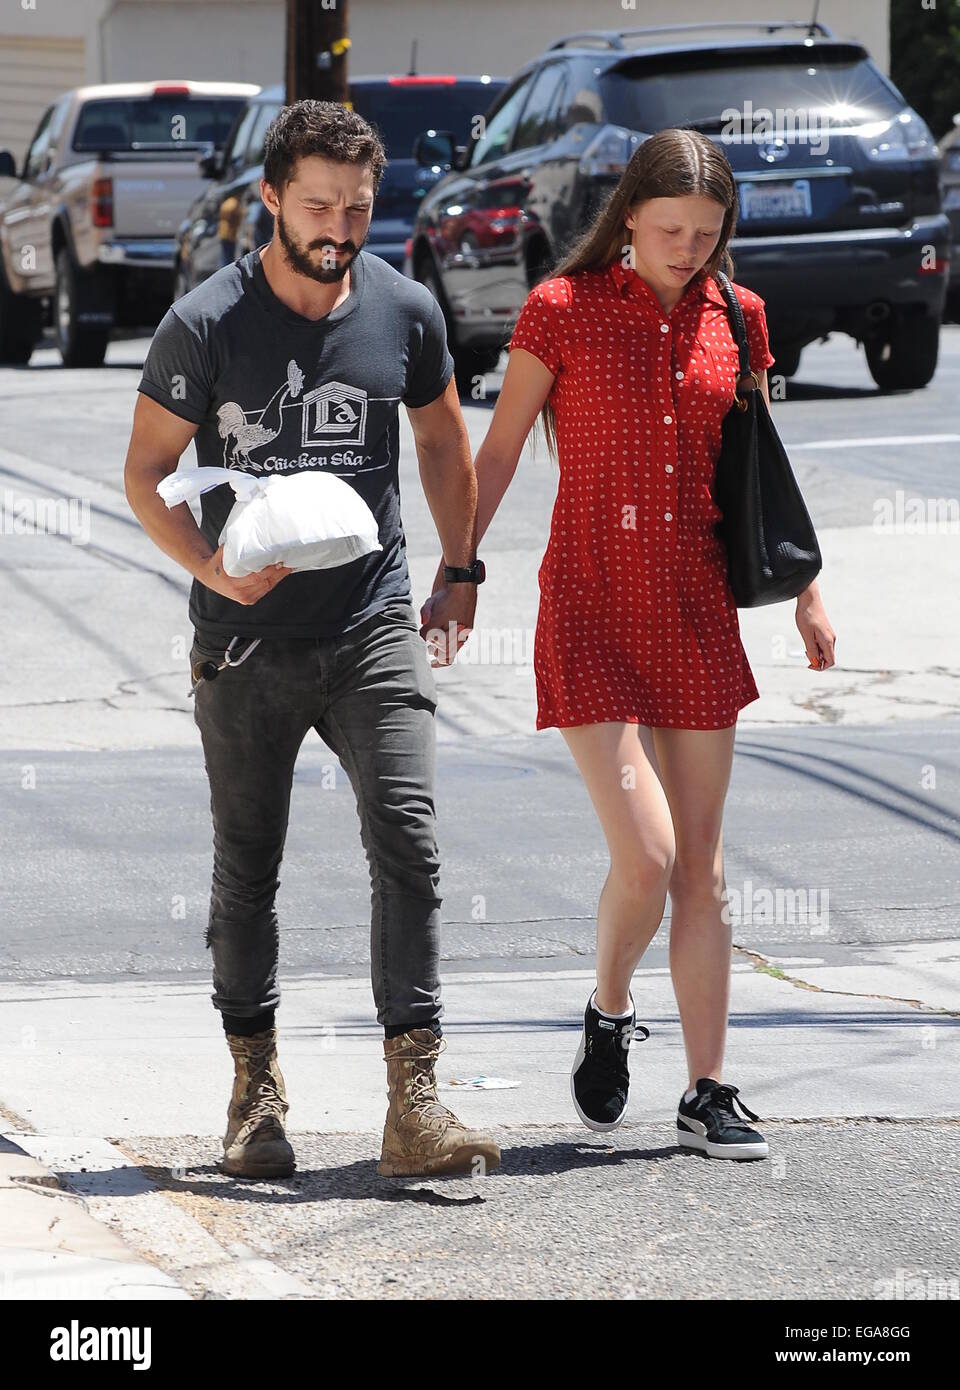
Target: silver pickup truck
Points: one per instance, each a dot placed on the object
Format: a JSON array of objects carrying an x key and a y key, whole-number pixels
[{"x": 88, "y": 230}]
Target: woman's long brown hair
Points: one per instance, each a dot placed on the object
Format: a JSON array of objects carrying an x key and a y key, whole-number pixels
[{"x": 672, "y": 163}]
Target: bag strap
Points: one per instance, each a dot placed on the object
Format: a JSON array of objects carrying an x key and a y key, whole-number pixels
[{"x": 747, "y": 379}]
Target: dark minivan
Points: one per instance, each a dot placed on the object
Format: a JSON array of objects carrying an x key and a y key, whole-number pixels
[{"x": 229, "y": 218}]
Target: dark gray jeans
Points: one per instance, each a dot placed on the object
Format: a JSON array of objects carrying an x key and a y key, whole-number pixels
[{"x": 371, "y": 696}]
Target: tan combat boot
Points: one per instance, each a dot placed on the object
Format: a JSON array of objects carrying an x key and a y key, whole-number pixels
[
  {"x": 255, "y": 1145},
  {"x": 421, "y": 1135}
]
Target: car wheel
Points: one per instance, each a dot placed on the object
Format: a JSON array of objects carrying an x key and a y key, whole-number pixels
[
  {"x": 787, "y": 361},
  {"x": 21, "y": 326},
  {"x": 904, "y": 357},
  {"x": 79, "y": 344}
]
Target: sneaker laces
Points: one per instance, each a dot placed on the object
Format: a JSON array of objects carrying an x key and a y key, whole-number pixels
[
  {"x": 723, "y": 1099},
  {"x": 607, "y": 1050}
]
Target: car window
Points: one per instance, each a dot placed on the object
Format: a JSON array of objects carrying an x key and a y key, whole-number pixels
[
  {"x": 266, "y": 115},
  {"x": 399, "y": 113},
  {"x": 495, "y": 139},
  {"x": 555, "y": 121},
  {"x": 241, "y": 137},
  {"x": 697, "y": 90},
  {"x": 533, "y": 126},
  {"x": 58, "y": 118},
  {"x": 169, "y": 121},
  {"x": 33, "y": 162}
]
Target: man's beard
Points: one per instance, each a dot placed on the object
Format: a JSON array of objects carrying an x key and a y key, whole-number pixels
[{"x": 299, "y": 258}]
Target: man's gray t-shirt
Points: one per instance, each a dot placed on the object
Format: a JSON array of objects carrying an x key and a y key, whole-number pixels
[{"x": 274, "y": 393}]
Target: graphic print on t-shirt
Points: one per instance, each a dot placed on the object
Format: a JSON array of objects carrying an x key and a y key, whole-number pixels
[{"x": 333, "y": 414}]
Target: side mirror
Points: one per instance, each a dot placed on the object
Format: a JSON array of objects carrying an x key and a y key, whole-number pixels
[
  {"x": 435, "y": 147},
  {"x": 209, "y": 162},
  {"x": 8, "y": 165}
]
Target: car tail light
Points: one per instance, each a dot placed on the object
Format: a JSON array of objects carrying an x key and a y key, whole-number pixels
[
  {"x": 101, "y": 203},
  {"x": 418, "y": 81},
  {"x": 171, "y": 89},
  {"x": 907, "y": 136},
  {"x": 939, "y": 266}
]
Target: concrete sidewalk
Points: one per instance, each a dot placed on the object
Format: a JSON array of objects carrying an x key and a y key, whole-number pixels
[
  {"x": 51, "y": 1247},
  {"x": 122, "y": 1087}
]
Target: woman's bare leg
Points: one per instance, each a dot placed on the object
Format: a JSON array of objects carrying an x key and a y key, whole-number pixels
[
  {"x": 695, "y": 769},
  {"x": 618, "y": 764}
]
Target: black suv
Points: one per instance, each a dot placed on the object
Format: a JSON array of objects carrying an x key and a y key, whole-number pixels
[
  {"x": 229, "y": 218},
  {"x": 843, "y": 235},
  {"x": 950, "y": 188}
]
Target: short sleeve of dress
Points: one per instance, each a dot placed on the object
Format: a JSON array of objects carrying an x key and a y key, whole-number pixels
[
  {"x": 758, "y": 340},
  {"x": 537, "y": 330}
]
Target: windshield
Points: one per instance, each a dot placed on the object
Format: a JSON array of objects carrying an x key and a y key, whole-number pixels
[
  {"x": 167, "y": 122},
  {"x": 696, "y": 93},
  {"x": 402, "y": 113}
]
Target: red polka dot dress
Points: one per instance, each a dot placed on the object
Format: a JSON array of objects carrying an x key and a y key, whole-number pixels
[{"x": 637, "y": 621}]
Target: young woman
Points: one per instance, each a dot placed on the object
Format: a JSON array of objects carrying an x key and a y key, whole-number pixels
[{"x": 628, "y": 353}]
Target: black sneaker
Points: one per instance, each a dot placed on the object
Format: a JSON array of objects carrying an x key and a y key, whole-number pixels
[
  {"x": 710, "y": 1122},
  {"x": 600, "y": 1080}
]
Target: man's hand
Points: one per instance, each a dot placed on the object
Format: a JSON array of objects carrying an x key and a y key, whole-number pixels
[
  {"x": 249, "y": 589},
  {"x": 447, "y": 620}
]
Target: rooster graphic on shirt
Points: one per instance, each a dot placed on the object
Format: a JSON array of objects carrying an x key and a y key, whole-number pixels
[{"x": 332, "y": 414}]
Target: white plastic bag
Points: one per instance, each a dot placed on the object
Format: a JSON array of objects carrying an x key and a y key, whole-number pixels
[{"x": 308, "y": 521}]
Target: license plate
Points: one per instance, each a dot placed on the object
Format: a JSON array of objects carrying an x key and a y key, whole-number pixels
[{"x": 771, "y": 200}]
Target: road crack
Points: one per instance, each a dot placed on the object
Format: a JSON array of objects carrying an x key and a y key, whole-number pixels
[{"x": 764, "y": 967}]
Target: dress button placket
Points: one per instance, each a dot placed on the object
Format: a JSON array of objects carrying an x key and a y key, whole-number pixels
[{"x": 669, "y": 432}]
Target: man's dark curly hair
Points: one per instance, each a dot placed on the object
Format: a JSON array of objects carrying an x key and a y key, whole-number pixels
[{"x": 326, "y": 128}]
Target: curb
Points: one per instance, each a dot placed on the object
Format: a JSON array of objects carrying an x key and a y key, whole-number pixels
[{"x": 52, "y": 1248}]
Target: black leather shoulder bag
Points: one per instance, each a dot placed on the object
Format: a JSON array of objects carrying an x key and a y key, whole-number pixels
[{"x": 772, "y": 549}]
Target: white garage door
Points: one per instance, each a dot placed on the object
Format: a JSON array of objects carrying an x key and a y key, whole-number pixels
[{"x": 33, "y": 73}]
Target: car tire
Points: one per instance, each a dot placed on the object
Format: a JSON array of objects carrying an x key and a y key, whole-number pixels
[
  {"x": 904, "y": 357},
  {"x": 468, "y": 362},
  {"x": 786, "y": 360},
  {"x": 80, "y": 345},
  {"x": 21, "y": 326}
]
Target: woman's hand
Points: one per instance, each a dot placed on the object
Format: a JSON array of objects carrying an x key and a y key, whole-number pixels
[{"x": 814, "y": 627}]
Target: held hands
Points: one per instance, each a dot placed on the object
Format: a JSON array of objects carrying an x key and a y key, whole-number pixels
[
  {"x": 814, "y": 627},
  {"x": 447, "y": 619},
  {"x": 247, "y": 590}
]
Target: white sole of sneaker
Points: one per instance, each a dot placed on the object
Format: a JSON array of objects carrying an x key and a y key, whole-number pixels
[
  {"x": 687, "y": 1140},
  {"x": 601, "y": 1128}
]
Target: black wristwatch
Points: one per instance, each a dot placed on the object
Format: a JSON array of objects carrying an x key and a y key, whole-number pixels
[{"x": 469, "y": 574}]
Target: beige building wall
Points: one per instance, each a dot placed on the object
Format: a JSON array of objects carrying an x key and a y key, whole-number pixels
[{"x": 49, "y": 45}]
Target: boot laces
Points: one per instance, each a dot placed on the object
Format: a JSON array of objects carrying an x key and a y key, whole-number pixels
[
  {"x": 267, "y": 1103},
  {"x": 423, "y": 1083}
]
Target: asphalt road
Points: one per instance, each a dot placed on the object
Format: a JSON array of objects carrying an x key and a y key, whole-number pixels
[{"x": 113, "y": 822}]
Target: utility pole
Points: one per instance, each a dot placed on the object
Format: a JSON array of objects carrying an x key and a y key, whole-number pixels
[{"x": 317, "y": 46}]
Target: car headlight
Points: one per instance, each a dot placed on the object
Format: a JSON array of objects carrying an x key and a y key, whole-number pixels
[{"x": 907, "y": 136}]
